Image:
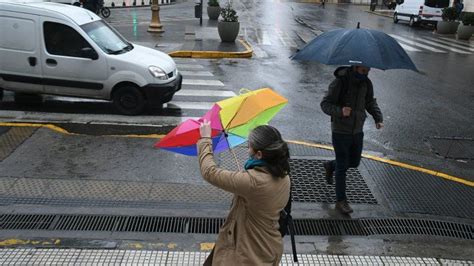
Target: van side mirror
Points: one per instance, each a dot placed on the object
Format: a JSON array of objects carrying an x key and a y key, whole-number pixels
[{"x": 88, "y": 52}]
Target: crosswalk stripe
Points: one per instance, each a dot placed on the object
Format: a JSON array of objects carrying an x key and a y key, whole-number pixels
[
  {"x": 197, "y": 73},
  {"x": 451, "y": 44},
  {"x": 189, "y": 66},
  {"x": 212, "y": 93},
  {"x": 265, "y": 38},
  {"x": 417, "y": 44},
  {"x": 409, "y": 48},
  {"x": 443, "y": 46},
  {"x": 202, "y": 82},
  {"x": 189, "y": 105},
  {"x": 466, "y": 43}
]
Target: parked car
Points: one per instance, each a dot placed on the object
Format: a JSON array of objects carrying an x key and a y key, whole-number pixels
[
  {"x": 419, "y": 11},
  {"x": 66, "y": 50}
]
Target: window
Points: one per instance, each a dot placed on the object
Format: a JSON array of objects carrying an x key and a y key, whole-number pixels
[
  {"x": 20, "y": 32},
  {"x": 106, "y": 37},
  {"x": 63, "y": 40},
  {"x": 437, "y": 3}
]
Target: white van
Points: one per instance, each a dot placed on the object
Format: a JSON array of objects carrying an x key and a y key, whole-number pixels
[
  {"x": 419, "y": 11},
  {"x": 50, "y": 48}
]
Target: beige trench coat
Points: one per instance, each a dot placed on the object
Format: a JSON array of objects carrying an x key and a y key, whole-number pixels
[{"x": 250, "y": 234}]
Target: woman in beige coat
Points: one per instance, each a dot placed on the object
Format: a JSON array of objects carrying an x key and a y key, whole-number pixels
[{"x": 250, "y": 233}]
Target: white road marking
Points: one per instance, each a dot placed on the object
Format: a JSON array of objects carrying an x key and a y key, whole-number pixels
[
  {"x": 409, "y": 48},
  {"x": 189, "y": 105},
  {"x": 189, "y": 66},
  {"x": 202, "y": 82},
  {"x": 466, "y": 43},
  {"x": 196, "y": 73},
  {"x": 443, "y": 46},
  {"x": 451, "y": 44},
  {"x": 417, "y": 44},
  {"x": 213, "y": 93}
]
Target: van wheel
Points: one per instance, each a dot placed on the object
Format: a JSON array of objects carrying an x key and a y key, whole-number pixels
[
  {"x": 395, "y": 18},
  {"x": 412, "y": 22},
  {"x": 129, "y": 100},
  {"x": 30, "y": 99}
]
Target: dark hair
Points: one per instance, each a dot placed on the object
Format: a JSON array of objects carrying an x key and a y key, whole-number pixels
[{"x": 274, "y": 149}]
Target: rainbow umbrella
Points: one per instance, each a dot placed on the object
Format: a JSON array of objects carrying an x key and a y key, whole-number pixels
[{"x": 231, "y": 122}]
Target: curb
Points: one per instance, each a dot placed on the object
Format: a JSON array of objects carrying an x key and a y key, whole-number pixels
[
  {"x": 378, "y": 14},
  {"x": 214, "y": 54},
  {"x": 314, "y": 145}
]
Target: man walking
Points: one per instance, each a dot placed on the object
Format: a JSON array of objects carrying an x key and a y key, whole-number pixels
[
  {"x": 323, "y": 3},
  {"x": 348, "y": 97}
]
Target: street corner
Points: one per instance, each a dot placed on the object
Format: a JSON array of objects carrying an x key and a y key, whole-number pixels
[{"x": 213, "y": 49}]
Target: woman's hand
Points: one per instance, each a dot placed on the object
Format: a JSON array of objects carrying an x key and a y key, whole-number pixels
[{"x": 205, "y": 129}]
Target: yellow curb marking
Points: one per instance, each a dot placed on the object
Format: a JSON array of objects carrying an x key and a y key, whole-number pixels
[
  {"x": 207, "y": 246},
  {"x": 18, "y": 242},
  {"x": 215, "y": 54},
  {"x": 172, "y": 245},
  {"x": 321, "y": 146},
  {"x": 392, "y": 162},
  {"x": 136, "y": 245},
  {"x": 13, "y": 241}
]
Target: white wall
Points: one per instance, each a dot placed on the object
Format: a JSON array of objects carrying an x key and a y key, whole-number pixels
[{"x": 468, "y": 5}]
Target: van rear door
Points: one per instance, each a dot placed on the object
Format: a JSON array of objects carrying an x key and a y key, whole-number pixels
[
  {"x": 20, "y": 56},
  {"x": 433, "y": 9}
]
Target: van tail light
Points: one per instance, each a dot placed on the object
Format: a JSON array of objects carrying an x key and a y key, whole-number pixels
[{"x": 420, "y": 11}]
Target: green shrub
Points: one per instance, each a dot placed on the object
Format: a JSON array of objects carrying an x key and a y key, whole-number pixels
[
  {"x": 468, "y": 18},
  {"x": 229, "y": 14},
  {"x": 213, "y": 3},
  {"x": 449, "y": 14}
]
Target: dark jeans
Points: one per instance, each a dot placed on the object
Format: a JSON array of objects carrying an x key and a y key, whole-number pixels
[{"x": 348, "y": 149}]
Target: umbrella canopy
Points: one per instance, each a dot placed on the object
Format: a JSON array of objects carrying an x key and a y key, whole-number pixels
[
  {"x": 231, "y": 122},
  {"x": 364, "y": 47}
]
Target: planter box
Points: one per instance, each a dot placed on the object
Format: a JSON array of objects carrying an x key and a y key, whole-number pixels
[
  {"x": 464, "y": 32},
  {"x": 213, "y": 12},
  {"x": 447, "y": 27},
  {"x": 228, "y": 31}
]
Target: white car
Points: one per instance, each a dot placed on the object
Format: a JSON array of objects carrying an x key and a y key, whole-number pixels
[
  {"x": 65, "y": 50},
  {"x": 419, "y": 11}
]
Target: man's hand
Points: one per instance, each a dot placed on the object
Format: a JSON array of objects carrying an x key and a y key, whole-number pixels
[
  {"x": 346, "y": 111},
  {"x": 378, "y": 125},
  {"x": 205, "y": 129}
]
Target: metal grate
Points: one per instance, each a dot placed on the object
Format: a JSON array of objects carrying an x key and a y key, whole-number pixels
[
  {"x": 309, "y": 184},
  {"x": 418, "y": 227},
  {"x": 25, "y": 221},
  {"x": 201, "y": 225}
]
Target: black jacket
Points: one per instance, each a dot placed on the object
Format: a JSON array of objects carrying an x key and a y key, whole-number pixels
[{"x": 346, "y": 90}]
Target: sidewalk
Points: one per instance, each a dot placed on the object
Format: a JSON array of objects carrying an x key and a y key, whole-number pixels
[
  {"x": 182, "y": 36},
  {"x": 398, "y": 211},
  {"x": 144, "y": 257}
]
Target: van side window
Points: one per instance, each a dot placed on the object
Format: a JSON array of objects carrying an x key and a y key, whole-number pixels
[
  {"x": 437, "y": 3},
  {"x": 63, "y": 40}
]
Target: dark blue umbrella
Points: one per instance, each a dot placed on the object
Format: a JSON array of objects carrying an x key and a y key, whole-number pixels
[{"x": 365, "y": 47}]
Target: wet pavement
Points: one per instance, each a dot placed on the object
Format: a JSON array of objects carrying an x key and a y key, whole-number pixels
[{"x": 46, "y": 171}]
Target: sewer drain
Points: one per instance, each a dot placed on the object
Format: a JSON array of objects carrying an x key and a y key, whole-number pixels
[
  {"x": 309, "y": 183},
  {"x": 200, "y": 225}
]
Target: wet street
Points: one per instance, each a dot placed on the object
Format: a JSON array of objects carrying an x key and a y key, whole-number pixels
[{"x": 427, "y": 114}]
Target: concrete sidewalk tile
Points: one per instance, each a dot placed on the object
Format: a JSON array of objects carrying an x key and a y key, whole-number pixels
[
  {"x": 6, "y": 185},
  {"x": 132, "y": 191},
  {"x": 28, "y": 187}
]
